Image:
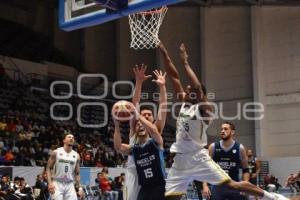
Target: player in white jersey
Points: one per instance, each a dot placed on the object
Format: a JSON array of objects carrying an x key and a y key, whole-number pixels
[
  {"x": 131, "y": 180},
  {"x": 192, "y": 161},
  {"x": 63, "y": 171}
]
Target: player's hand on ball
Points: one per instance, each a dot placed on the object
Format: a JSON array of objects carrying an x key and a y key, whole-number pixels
[
  {"x": 139, "y": 72},
  {"x": 51, "y": 188},
  {"x": 160, "y": 77}
]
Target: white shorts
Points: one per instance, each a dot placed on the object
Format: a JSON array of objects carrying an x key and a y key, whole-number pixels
[
  {"x": 193, "y": 166},
  {"x": 64, "y": 191},
  {"x": 132, "y": 188}
]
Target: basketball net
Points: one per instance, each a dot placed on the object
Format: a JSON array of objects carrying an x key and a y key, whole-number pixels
[{"x": 144, "y": 27}]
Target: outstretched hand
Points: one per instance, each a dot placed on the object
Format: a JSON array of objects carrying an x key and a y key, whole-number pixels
[
  {"x": 160, "y": 77},
  {"x": 139, "y": 72},
  {"x": 183, "y": 54}
]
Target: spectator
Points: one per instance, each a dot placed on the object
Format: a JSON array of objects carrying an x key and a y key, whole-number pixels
[
  {"x": 4, "y": 187},
  {"x": 11, "y": 127},
  {"x": 106, "y": 186},
  {"x": 3, "y": 124},
  {"x": 42, "y": 185},
  {"x": 292, "y": 185},
  {"x": 9, "y": 157},
  {"x": 254, "y": 167},
  {"x": 119, "y": 185}
]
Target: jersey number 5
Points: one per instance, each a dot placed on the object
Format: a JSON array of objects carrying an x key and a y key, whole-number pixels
[{"x": 148, "y": 173}]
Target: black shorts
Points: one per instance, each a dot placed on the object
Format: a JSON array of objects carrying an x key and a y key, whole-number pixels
[
  {"x": 156, "y": 192},
  {"x": 225, "y": 193}
]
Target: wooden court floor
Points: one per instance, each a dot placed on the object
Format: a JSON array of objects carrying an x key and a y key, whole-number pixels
[{"x": 295, "y": 198}]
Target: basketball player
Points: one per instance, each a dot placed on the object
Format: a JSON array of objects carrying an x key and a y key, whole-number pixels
[
  {"x": 254, "y": 167},
  {"x": 296, "y": 177},
  {"x": 291, "y": 182},
  {"x": 131, "y": 181},
  {"x": 192, "y": 161},
  {"x": 231, "y": 156},
  {"x": 147, "y": 154},
  {"x": 64, "y": 162}
]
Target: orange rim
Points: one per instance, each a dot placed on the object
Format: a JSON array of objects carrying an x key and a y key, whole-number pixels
[{"x": 156, "y": 11}]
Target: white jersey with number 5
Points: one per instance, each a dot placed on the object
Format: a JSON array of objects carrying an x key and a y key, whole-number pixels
[
  {"x": 65, "y": 165},
  {"x": 190, "y": 130}
]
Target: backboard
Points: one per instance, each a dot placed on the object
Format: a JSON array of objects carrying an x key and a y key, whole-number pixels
[{"x": 77, "y": 14}]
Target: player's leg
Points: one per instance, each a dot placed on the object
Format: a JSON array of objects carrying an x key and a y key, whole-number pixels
[
  {"x": 70, "y": 192},
  {"x": 59, "y": 191},
  {"x": 131, "y": 186},
  {"x": 179, "y": 177},
  {"x": 176, "y": 184},
  {"x": 251, "y": 189}
]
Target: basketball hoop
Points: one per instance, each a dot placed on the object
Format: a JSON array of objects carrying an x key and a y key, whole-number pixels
[{"x": 144, "y": 27}]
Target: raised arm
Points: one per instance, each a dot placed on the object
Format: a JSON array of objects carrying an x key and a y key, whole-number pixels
[
  {"x": 49, "y": 168},
  {"x": 140, "y": 77},
  {"x": 244, "y": 163},
  {"x": 162, "y": 111},
  {"x": 152, "y": 130},
  {"x": 172, "y": 72},
  {"x": 206, "y": 193},
  {"x": 195, "y": 83},
  {"x": 119, "y": 146}
]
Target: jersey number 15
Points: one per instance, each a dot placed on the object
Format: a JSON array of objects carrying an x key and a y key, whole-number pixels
[{"x": 148, "y": 173}]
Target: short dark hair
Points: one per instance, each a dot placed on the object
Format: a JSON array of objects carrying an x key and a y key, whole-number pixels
[
  {"x": 66, "y": 134},
  {"x": 146, "y": 107},
  {"x": 232, "y": 127}
]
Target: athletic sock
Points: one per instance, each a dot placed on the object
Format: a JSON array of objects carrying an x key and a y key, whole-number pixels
[{"x": 268, "y": 196}]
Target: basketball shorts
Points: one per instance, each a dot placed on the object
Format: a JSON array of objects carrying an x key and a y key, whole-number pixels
[
  {"x": 193, "y": 166},
  {"x": 154, "y": 192},
  {"x": 132, "y": 188},
  {"x": 64, "y": 191}
]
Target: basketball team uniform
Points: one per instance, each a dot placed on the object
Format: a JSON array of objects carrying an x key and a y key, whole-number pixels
[
  {"x": 192, "y": 161},
  {"x": 63, "y": 178},
  {"x": 149, "y": 163},
  {"x": 230, "y": 162},
  {"x": 131, "y": 178},
  {"x": 252, "y": 170}
]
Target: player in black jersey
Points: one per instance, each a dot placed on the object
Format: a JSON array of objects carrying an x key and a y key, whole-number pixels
[
  {"x": 148, "y": 157},
  {"x": 147, "y": 151},
  {"x": 231, "y": 156},
  {"x": 254, "y": 167}
]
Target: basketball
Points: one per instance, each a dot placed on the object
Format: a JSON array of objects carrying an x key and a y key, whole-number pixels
[{"x": 123, "y": 110}]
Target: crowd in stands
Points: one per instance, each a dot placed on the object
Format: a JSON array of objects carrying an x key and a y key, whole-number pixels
[
  {"x": 16, "y": 189},
  {"x": 28, "y": 134}
]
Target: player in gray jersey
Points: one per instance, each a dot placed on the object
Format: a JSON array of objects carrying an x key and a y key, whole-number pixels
[{"x": 63, "y": 171}]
